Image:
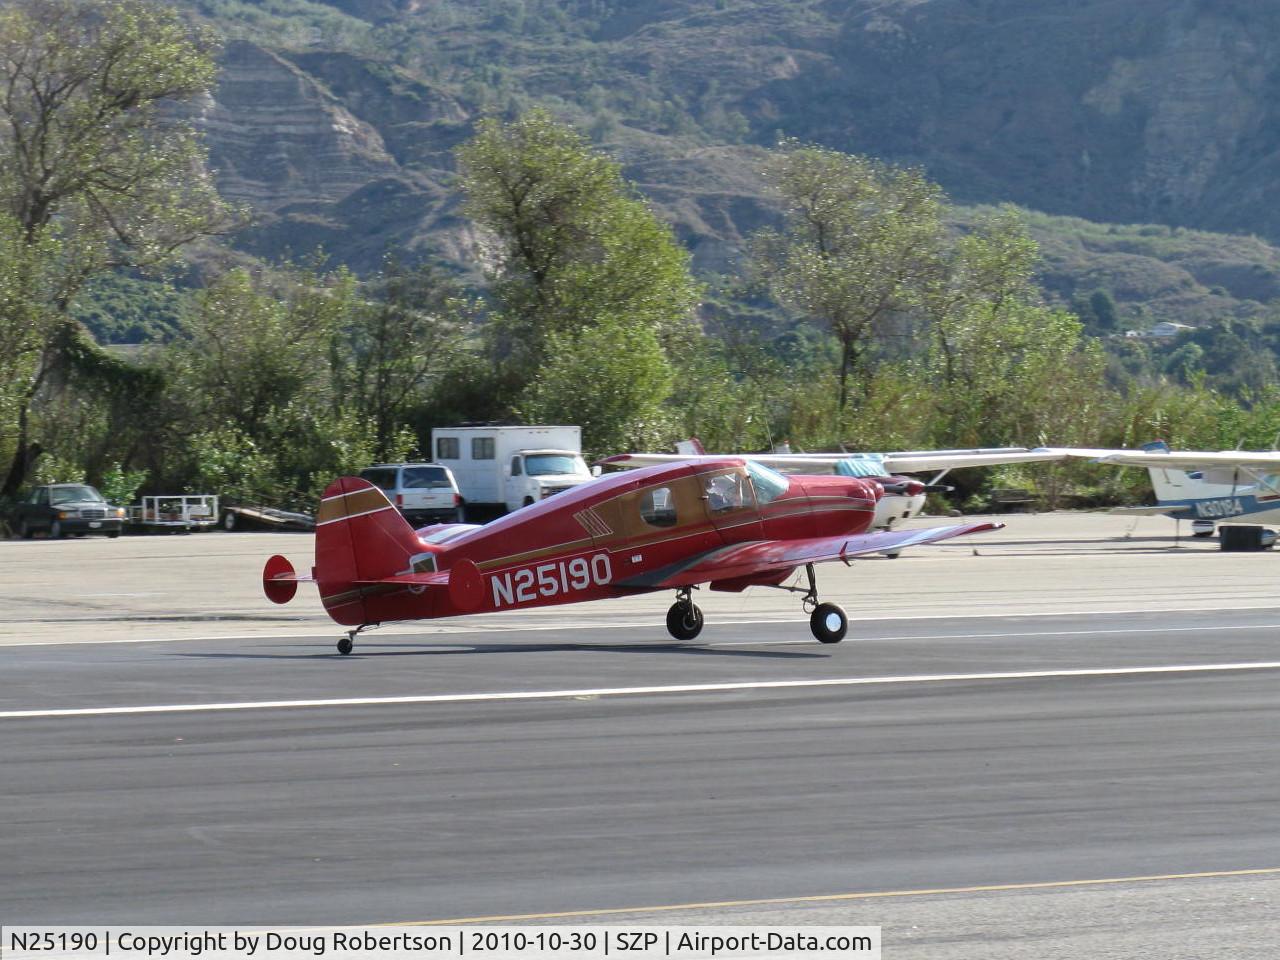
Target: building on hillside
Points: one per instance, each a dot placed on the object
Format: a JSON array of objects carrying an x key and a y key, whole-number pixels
[{"x": 1165, "y": 328}]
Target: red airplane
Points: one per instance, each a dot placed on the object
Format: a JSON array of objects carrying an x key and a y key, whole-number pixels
[{"x": 730, "y": 523}]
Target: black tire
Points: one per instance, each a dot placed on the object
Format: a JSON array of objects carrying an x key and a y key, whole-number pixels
[
  {"x": 684, "y": 621},
  {"x": 228, "y": 521},
  {"x": 55, "y": 530},
  {"x": 528, "y": 501},
  {"x": 113, "y": 534},
  {"x": 24, "y": 530},
  {"x": 345, "y": 645},
  {"x": 828, "y": 623}
]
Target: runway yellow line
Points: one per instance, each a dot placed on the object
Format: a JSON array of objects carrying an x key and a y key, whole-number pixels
[{"x": 836, "y": 898}]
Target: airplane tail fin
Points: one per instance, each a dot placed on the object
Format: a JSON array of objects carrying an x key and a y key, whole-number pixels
[
  {"x": 1177, "y": 486},
  {"x": 360, "y": 538}
]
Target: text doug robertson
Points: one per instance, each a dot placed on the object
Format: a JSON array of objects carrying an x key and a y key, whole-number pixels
[{"x": 251, "y": 944}]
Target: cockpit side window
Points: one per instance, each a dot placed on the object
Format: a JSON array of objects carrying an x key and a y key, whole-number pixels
[
  {"x": 658, "y": 507},
  {"x": 1269, "y": 484},
  {"x": 726, "y": 492}
]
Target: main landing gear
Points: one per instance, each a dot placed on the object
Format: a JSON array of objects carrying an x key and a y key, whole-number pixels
[
  {"x": 684, "y": 619},
  {"x": 827, "y": 621}
]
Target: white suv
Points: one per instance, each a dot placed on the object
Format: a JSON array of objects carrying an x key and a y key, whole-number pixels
[{"x": 422, "y": 492}]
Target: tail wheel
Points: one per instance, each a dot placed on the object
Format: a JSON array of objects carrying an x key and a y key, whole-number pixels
[
  {"x": 828, "y": 623},
  {"x": 684, "y": 621}
]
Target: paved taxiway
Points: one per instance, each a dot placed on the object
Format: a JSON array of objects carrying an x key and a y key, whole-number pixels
[{"x": 1022, "y": 732}]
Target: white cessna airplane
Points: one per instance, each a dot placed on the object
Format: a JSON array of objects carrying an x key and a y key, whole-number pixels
[
  {"x": 1207, "y": 488},
  {"x": 903, "y": 496}
]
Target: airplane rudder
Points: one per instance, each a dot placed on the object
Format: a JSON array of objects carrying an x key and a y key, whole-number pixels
[{"x": 360, "y": 535}]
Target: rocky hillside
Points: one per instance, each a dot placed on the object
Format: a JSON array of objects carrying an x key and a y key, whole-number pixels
[{"x": 336, "y": 120}]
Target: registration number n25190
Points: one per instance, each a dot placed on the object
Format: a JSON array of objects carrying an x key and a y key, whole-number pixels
[{"x": 550, "y": 579}]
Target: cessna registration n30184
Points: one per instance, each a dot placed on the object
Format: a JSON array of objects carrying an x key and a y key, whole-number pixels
[
  {"x": 1225, "y": 486},
  {"x": 903, "y": 496},
  {"x": 725, "y": 522}
]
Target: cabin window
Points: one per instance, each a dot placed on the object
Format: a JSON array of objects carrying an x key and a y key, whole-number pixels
[
  {"x": 658, "y": 507},
  {"x": 447, "y": 448},
  {"x": 726, "y": 492},
  {"x": 482, "y": 448}
]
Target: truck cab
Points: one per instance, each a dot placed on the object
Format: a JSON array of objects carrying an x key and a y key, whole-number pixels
[
  {"x": 501, "y": 467},
  {"x": 533, "y": 475}
]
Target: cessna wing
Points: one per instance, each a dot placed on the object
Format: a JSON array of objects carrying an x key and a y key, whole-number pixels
[
  {"x": 757, "y": 557},
  {"x": 921, "y": 461},
  {"x": 1262, "y": 462},
  {"x": 1152, "y": 511}
]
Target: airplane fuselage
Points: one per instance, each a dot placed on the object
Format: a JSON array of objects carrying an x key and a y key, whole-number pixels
[{"x": 619, "y": 535}]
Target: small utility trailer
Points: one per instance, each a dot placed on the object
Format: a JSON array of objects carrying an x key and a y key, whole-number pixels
[
  {"x": 265, "y": 518},
  {"x": 180, "y": 511}
]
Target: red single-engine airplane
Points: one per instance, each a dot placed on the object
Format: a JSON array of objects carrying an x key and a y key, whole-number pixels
[{"x": 731, "y": 523}]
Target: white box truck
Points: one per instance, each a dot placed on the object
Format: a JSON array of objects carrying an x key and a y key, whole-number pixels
[{"x": 510, "y": 467}]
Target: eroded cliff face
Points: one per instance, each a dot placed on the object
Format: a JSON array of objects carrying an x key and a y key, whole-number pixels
[
  {"x": 327, "y": 156},
  {"x": 1205, "y": 97},
  {"x": 1122, "y": 111},
  {"x": 276, "y": 138},
  {"x": 1113, "y": 110}
]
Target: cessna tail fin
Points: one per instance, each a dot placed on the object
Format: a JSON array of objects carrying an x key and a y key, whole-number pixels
[{"x": 1177, "y": 486}]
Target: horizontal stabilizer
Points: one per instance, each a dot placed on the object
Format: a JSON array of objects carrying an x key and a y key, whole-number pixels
[{"x": 280, "y": 581}]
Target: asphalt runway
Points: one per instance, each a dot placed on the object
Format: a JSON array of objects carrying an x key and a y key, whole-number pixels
[
  {"x": 975, "y": 782},
  {"x": 377, "y": 812}
]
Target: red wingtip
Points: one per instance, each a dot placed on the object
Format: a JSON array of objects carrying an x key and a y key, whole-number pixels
[{"x": 278, "y": 580}]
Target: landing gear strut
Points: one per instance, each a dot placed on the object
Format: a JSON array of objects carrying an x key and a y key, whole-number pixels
[
  {"x": 684, "y": 619},
  {"x": 827, "y": 621}
]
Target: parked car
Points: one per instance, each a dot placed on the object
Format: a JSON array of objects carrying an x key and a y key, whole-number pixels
[
  {"x": 423, "y": 492},
  {"x": 67, "y": 508}
]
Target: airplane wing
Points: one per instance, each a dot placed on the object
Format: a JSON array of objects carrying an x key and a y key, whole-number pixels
[
  {"x": 434, "y": 579},
  {"x": 747, "y": 559},
  {"x": 1187, "y": 459},
  {"x": 929, "y": 460},
  {"x": 911, "y": 462}
]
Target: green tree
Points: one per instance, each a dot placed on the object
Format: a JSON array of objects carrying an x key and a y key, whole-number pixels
[
  {"x": 1007, "y": 369},
  {"x": 29, "y": 281},
  {"x": 93, "y": 154},
  {"x": 860, "y": 239},
  {"x": 613, "y": 379},
  {"x": 396, "y": 347},
  {"x": 259, "y": 404},
  {"x": 572, "y": 244}
]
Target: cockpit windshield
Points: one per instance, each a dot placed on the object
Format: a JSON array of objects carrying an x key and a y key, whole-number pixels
[
  {"x": 555, "y": 464},
  {"x": 769, "y": 484}
]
